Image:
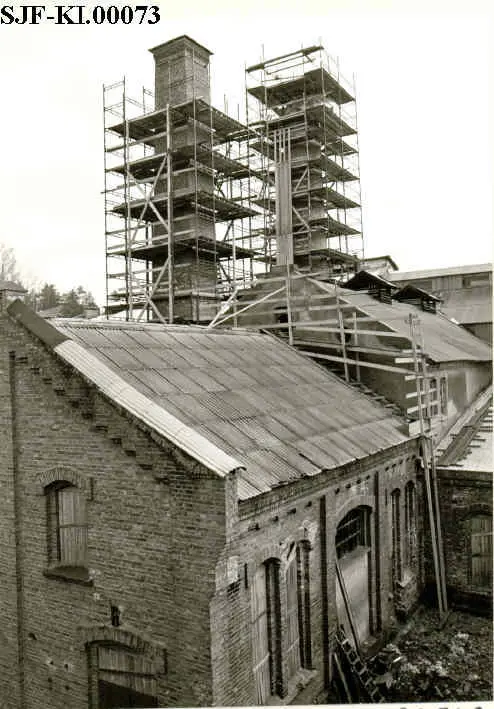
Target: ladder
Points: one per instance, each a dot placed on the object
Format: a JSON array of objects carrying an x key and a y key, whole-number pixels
[
  {"x": 430, "y": 477},
  {"x": 358, "y": 668}
]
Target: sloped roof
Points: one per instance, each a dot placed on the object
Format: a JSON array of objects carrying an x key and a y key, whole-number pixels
[
  {"x": 251, "y": 400},
  {"x": 366, "y": 279},
  {"x": 438, "y": 272},
  {"x": 411, "y": 291},
  {"x": 471, "y": 445},
  {"x": 469, "y": 305},
  {"x": 444, "y": 341}
]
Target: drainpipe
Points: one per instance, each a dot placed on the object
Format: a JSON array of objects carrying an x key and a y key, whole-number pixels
[{"x": 17, "y": 532}]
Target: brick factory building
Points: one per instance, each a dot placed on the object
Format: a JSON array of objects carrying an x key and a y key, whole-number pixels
[
  {"x": 176, "y": 502},
  {"x": 193, "y": 514}
]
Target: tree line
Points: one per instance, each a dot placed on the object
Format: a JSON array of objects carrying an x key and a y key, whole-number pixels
[{"x": 47, "y": 296}]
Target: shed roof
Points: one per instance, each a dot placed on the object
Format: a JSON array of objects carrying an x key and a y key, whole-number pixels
[
  {"x": 471, "y": 445},
  {"x": 233, "y": 398},
  {"x": 399, "y": 276},
  {"x": 444, "y": 340}
]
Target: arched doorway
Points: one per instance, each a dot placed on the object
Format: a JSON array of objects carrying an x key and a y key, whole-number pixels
[{"x": 353, "y": 547}]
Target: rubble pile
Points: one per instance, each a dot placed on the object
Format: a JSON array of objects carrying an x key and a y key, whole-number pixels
[{"x": 453, "y": 663}]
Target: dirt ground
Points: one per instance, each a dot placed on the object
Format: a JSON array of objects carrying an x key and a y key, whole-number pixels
[{"x": 454, "y": 663}]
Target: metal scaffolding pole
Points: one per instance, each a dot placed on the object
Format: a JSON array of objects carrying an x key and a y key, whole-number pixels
[{"x": 169, "y": 192}]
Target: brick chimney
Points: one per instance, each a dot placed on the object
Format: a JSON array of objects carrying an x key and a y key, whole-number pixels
[{"x": 181, "y": 71}]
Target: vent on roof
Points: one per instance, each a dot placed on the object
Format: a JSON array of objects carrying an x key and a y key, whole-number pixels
[
  {"x": 381, "y": 293},
  {"x": 377, "y": 287},
  {"x": 416, "y": 296}
]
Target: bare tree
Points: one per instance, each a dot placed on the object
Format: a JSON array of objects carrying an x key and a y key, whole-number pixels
[{"x": 9, "y": 270}]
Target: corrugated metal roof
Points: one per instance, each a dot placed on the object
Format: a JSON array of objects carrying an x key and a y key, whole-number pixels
[
  {"x": 471, "y": 447},
  {"x": 256, "y": 401},
  {"x": 444, "y": 341},
  {"x": 437, "y": 272},
  {"x": 469, "y": 313}
]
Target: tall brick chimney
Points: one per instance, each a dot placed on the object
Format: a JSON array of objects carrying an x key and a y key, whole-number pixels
[{"x": 181, "y": 71}]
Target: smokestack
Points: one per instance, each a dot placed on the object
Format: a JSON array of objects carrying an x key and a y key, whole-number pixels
[{"x": 181, "y": 72}]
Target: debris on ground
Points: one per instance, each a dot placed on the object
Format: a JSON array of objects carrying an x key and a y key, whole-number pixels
[{"x": 428, "y": 663}]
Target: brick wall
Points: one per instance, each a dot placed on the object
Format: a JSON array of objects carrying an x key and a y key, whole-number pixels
[
  {"x": 169, "y": 545},
  {"x": 462, "y": 495},
  {"x": 307, "y": 510},
  {"x": 9, "y": 659},
  {"x": 156, "y": 527}
]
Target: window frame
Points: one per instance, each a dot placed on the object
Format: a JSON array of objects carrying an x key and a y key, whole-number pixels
[
  {"x": 67, "y": 551},
  {"x": 482, "y": 554},
  {"x": 357, "y": 517},
  {"x": 396, "y": 537},
  {"x": 98, "y": 674},
  {"x": 410, "y": 546}
]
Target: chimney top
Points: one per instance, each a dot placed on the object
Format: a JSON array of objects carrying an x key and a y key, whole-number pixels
[{"x": 177, "y": 43}]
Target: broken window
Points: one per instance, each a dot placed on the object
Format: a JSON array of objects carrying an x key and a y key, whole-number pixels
[
  {"x": 67, "y": 526},
  {"x": 481, "y": 551},
  {"x": 352, "y": 532}
]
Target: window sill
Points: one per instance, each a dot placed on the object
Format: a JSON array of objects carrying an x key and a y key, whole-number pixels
[{"x": 70, "y": 574}]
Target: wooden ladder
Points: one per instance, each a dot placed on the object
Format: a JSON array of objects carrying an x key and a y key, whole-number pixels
[
  {"x": 430, "y": 477},
  {"x": 358, "y": 668}
]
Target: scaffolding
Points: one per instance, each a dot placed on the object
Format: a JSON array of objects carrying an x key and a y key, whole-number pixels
[
  {"x": 179, "y": 224},
  {"x": 304, "y": 112},
  {"x": 200, "y": 207}
]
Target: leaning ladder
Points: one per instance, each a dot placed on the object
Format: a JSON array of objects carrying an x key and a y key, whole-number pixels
[
  {"x": 359, "y": 668},
  {"x": 430, "y": 473}
]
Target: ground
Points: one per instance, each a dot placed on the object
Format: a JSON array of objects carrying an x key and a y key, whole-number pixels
[{"x": 453, "y": 663}]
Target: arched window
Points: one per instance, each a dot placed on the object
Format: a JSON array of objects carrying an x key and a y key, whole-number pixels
[
  {"x": 410, "y": 548},
  {"x": 353, "y": 532},
  {"x": 481, "y": 551},
  {"x": 67, "y": 526},
  {"x": 354, "y": 572},
  {"x": 298, "y": 609},
  {"x": 266, "y": 629},
  {"x": 280, "y": 642},
  {"x": 396, "y": 535}
]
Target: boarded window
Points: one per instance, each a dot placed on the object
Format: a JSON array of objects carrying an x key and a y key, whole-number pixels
[
  {"x": 396, "y": 535},
  {"x": 260, "y": 636},
  {"x": 303, "y": 592},
  {"x": 481, "y": 551},
  {"x": 410, "y": 548},
  {"x": 71, "y": 526},
  {"x": 443, "y": 393},
  {"x": 292, "y": 618},
  {"x": 121, "y": 677}
]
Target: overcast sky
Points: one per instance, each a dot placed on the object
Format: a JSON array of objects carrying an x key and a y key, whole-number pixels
[{"x": 422, "y": 73}]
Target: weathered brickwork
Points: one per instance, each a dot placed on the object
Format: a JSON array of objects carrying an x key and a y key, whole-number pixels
[
  {"x": 169, "y": 545},
  {"x": 267, "y": 528},
  {"x": 154, "y": 534},
  {"x": 463, "y": 495}
]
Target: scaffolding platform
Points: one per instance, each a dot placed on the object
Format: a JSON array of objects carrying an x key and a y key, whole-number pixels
[
  {"x": 317, "y": 81},
  {"x": 146, "y": 168},
  {"x": 150, "y": 124},
  {"x": 222, "y": 209},
  {"x": 158, "y": 248},
  {"x": 322, "y": 119}
]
